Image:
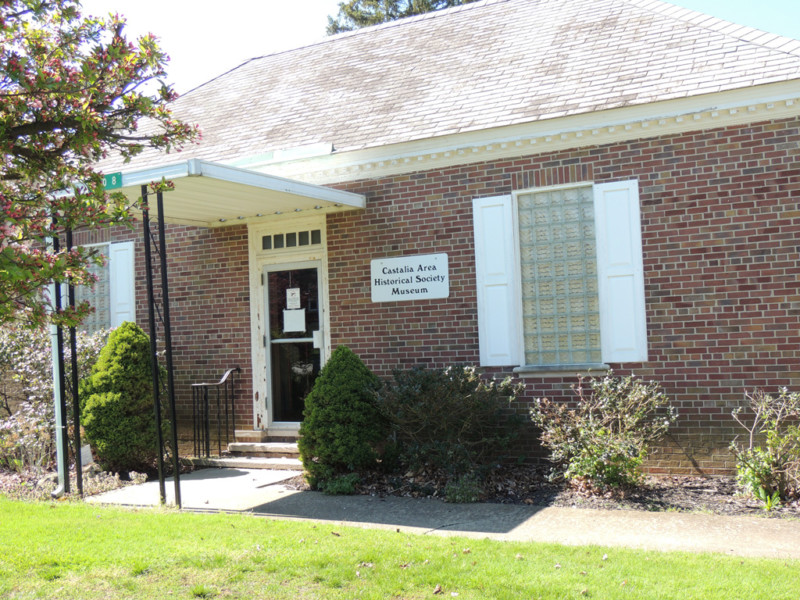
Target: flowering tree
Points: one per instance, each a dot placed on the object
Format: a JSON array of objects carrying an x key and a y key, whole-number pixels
[
  {"x": 72, "y": 90},
  {"x": 27, "y": 433}
]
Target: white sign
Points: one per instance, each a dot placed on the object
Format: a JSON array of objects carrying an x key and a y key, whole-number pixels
[
  {"x": 292, "y": 298},
  {"x": 294, "y": 320},
  {"x": 418, "y": 277}
]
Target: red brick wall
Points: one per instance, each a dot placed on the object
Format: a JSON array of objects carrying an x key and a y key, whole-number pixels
[
  {"x": 209, "y": 298},
  {"x": 721, "y": 223}
]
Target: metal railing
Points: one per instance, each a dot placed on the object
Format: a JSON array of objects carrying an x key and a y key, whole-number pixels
[{"x": 204, "y": 397}]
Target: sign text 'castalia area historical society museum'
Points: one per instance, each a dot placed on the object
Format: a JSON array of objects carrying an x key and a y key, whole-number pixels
[{"x": 419, "y": 277}]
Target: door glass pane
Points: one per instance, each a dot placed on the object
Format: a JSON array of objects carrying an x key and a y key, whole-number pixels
[
  {"x": 291, "y": 291},
  {"x": 295, "y": 366},
  {"x": 293, "y": 297}
]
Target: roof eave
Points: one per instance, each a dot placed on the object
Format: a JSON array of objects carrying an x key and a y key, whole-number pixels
[{"x": 212, "y": 195}]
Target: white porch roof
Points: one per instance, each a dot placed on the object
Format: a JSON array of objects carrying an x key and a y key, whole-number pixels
[{"x": 208, "y": 194}]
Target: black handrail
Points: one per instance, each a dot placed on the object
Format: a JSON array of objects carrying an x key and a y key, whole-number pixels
[{"x": 225, "y": 391}]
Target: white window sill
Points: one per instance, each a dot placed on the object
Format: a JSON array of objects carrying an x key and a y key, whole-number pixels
[{"x": 561, "y": 370}]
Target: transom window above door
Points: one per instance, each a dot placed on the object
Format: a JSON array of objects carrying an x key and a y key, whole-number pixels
[{"x": 295, "y": 239}]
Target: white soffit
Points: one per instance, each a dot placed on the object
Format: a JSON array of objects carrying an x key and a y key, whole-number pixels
[{"x": 208, "y": 194}]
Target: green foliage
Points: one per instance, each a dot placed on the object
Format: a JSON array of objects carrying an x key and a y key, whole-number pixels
[
  {"x": 72, "y": 90},
  {"x": 465, "y": 489},
  {"x": 117, "y": 402},
  {"x": 341, "y": 427},
  {"x": 340, "y": 485},
  {"x": 770, "y": 470},
  {"x": 450, "y": 419},
  {"x": 603, "y": 441},
  {"x": 770, "y": 501},
  {"x": 355, "y": 14}
]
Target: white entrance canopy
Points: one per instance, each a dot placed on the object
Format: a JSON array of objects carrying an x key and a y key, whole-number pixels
[{"x": 208, "y": 194}]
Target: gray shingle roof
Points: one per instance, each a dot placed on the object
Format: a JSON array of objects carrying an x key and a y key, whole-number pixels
[{"x": 482, "y": 65}]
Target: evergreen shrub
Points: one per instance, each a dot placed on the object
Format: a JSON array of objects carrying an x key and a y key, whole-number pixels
[
  {"x": 342, "y": 427},
  {"x": 117, "y": 403},
  {"x": 450, "y": 421}
]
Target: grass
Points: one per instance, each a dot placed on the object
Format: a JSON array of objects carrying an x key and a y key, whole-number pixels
[{"x": 72, "y": 550}]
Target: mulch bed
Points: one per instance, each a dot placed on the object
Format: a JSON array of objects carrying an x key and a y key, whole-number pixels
[
  {"x": 505, "y": 485},
  {"x": 531, "y": 486},
  {"x": 37, "y": 485}
]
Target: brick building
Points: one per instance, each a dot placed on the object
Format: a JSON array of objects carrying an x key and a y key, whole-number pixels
[{"x": 539, "y": 187}]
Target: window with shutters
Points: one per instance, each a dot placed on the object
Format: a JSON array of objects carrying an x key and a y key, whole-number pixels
[
  {"x": 98, "y": 296},
  {"x": 559, "y": 277},
  {"x": 112, "y": 296}
]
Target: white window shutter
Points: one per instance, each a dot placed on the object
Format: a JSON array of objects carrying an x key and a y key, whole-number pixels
[
  {"x": 64, "y": 289},
  {"x": 623, "y": 323},
  {"x": 497, "y": 278},
  {"x": 121, "y": 282}
]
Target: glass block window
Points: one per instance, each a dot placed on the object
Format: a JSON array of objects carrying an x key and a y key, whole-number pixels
[
  {"x": 559, "y": 277},
  {"x": 99, "y": 296},
  {"x": 291, "y": 240}
]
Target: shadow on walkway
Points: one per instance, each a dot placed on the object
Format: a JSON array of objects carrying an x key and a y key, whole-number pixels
[{"x": 262, "y": 493}]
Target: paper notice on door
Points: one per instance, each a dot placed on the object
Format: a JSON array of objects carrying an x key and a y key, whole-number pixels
[
  {"x": 294, "y": 320},
  {"x": 292, "y": 298}
]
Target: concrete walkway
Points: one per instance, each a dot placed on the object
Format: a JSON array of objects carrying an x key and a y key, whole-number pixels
[{"x": 262, "y": 493}]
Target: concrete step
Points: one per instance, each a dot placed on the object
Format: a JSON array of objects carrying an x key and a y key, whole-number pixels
[
  {"x": 260, "y": 435},
  {"x": 264, "y": 449},
  {"x": 247, "y": 462},
  {"x": 247, "y": 435}
]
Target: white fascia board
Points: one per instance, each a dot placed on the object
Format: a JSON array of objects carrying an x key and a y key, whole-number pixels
[
  {"x": 706, "y": 111},
  {"x": 200, "y": 168},
  {"x": 147, "y": 176},
  {"x": 277, "y": 184}
]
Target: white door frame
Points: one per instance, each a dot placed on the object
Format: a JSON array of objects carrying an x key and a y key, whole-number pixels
[{"x": 260, "y": 259}]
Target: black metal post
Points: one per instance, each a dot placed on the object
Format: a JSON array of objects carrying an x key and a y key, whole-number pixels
[
  {"x": 162, "y": 241},
  {"x": 151, "y": 304},
  {"x": 219, "y": 427},
  {"x": 62, "y": 399},
  {"x": 207, "y": 430},
  {"x": 238, "y": 370},
  {"x": 194, "y": 421},
  {"x": 76, "y": 405}
]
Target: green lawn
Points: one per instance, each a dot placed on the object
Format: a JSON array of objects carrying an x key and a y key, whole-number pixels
[{"x": 79, "y": 551}]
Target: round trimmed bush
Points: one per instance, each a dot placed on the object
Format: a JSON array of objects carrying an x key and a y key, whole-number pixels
[
  {"x": 341, "y": 426},
  {"x": 117, "y": 403}
]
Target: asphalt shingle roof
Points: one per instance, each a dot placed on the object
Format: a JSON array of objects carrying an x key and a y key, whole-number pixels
[{"x": 482, "y": 65}]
